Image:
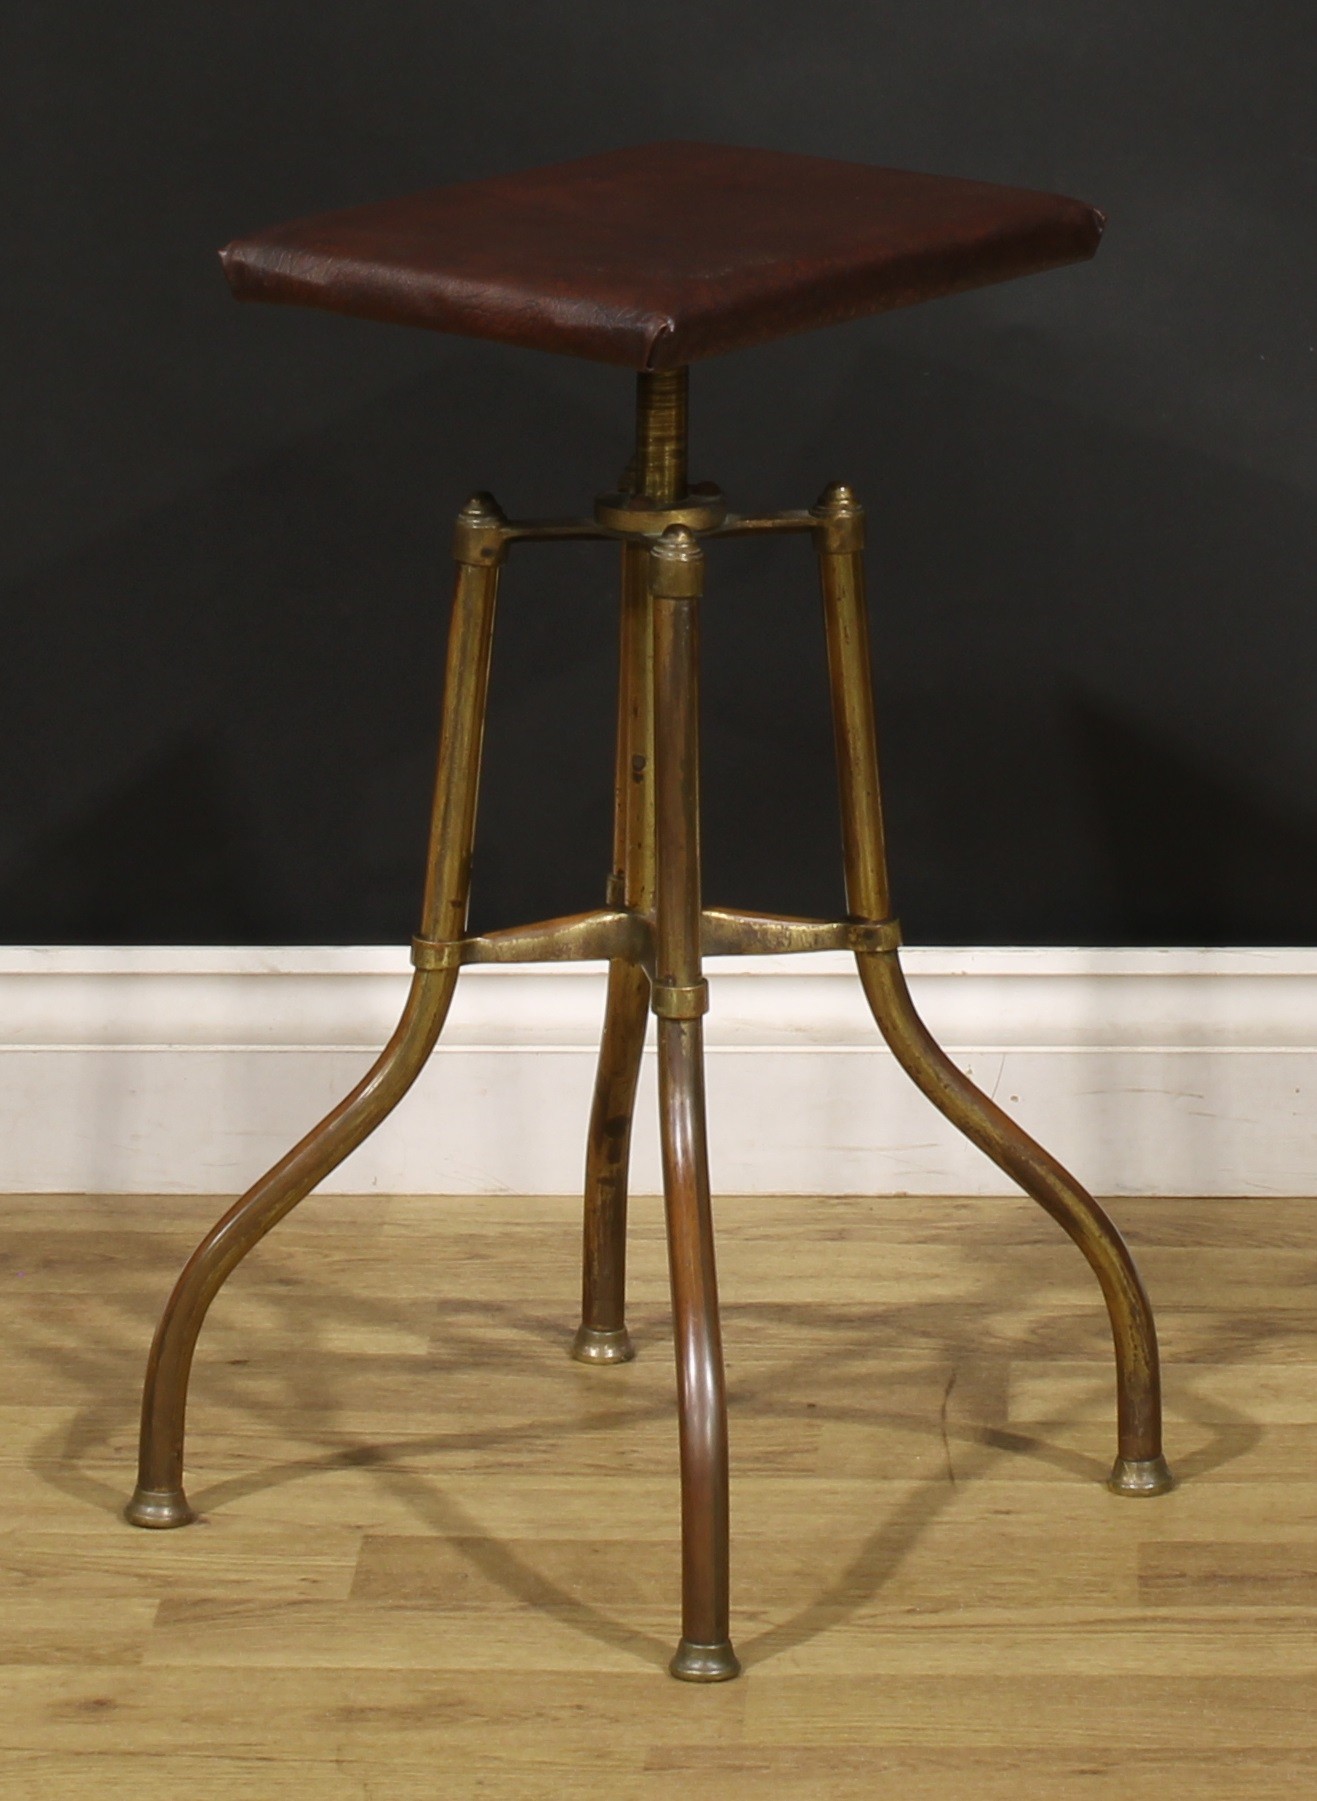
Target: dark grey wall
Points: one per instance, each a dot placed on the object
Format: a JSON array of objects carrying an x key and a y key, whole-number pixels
[{"x": 223, "y": 550}]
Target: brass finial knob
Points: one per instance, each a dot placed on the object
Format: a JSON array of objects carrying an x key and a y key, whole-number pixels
[
  {"x": 841, "y": 519},
  {"x": 837, "y": 497},
  {"x": 677, "y": 569},
  {"x": 678, "y": 544},
  {"x": 478, "y": 533}
]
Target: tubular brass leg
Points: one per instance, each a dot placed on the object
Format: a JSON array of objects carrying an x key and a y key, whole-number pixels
[
  {"x": 705, "y": 1653},
  {"x": 159, "y": 1499},
  {"x": 1140, "y": 1468},
  {"x": 603, "y": 1337}
]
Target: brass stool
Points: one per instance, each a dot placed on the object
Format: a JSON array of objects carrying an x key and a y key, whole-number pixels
[{"x": 653, "y": 258}]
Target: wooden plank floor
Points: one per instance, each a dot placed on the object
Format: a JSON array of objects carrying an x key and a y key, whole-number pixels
[{"x": 439, "y": 1559}]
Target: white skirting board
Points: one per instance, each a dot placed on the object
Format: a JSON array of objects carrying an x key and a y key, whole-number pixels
[{"x": 190, "y": 1070}]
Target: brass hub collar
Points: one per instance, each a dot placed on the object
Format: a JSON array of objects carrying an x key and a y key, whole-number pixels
[{"x": 702, "y": 509}]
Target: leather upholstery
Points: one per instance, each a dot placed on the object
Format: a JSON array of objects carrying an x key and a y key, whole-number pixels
[{"x": 659, "y": 255}]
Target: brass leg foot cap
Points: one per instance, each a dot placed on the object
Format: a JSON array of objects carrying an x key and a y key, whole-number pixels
[
  {"x": 1140, "y": 1476},
  {"x": 705, "y": 1663},
  {"x": 158, "y": 1507},
  {"x": 599, "y": 1344}
]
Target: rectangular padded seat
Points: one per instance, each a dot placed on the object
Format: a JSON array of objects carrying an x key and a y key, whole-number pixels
[{"x": 659, "y": 255}]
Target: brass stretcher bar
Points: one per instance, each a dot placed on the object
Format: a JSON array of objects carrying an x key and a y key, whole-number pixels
[{"x": 610, "y": 932}]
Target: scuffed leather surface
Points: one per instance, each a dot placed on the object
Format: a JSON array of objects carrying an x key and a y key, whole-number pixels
[{"x": 659, "y": 255}]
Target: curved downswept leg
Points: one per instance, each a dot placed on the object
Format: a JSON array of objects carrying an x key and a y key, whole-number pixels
[
  {"x": 1140, "y": 1468},
  {"x": 602, "y": 1336},
  {"x": 159, "y": 1499},
  {"x": 705, "y": 1653}
]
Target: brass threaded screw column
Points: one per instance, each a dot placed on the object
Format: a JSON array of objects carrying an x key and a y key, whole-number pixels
[{"x": 660, "y": 466}]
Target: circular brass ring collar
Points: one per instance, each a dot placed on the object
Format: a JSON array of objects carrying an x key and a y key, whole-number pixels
[
  {"x": 703, "y": 509},
  {"x": 680, "y": 1000}
]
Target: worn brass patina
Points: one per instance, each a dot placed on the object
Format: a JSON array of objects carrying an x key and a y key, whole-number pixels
[{"x": 654, "y": 933}]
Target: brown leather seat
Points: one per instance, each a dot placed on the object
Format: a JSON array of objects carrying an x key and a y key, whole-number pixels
[{"x": 656, "y": 256}]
